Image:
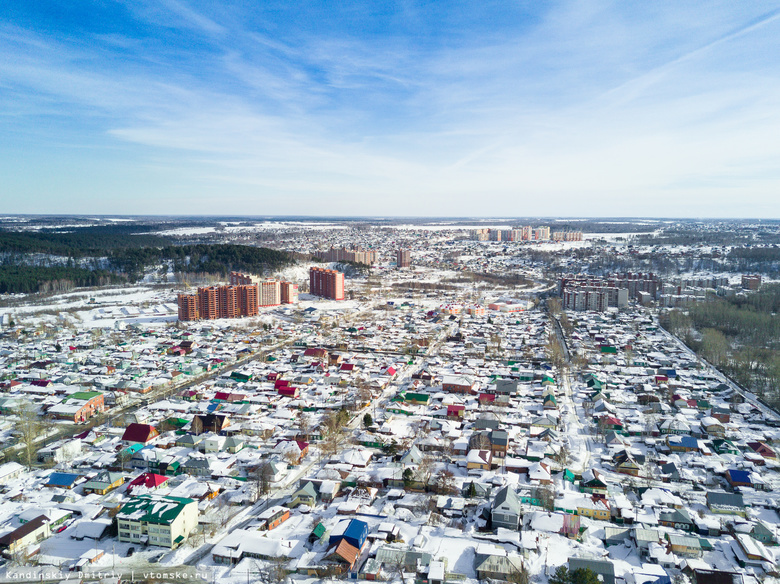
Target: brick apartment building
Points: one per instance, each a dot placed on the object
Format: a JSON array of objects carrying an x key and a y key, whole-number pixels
[
  {"x": 403, "y": 258},
  {"x": 213, "y": 302},
  {"x": 326, "y": 283},
  {"x": 355, "y": 254},
  {"x": 289, "y": 292}
]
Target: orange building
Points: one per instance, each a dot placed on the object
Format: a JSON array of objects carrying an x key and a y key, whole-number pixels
[
  {"x": 289, "y": 292},
  {"x": 188, "y": 307},
  {"x": 213, "y": 302},
  {"x": 326, "y": 283}
]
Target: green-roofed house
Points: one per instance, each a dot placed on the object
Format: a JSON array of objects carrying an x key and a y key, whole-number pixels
[
  {"x": 104, "y": 482},
  {"x": 157, "y": 520}
]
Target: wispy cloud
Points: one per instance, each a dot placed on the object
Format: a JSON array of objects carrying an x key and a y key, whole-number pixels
[{"x": 582, "y": 102}]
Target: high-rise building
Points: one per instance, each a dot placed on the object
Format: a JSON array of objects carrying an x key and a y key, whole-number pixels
[
  {"x": 241, "y": 279},
  {"x": 248, "y": 301},
  {"x": 355, "y": 254},
  {"x": 289, "y": 293},
  {"x": 208, "y": 303},
  {"x": 270, "y": 293},
  {"x": 219, "y": 302},
  {"x": 403, "y": 258},
  {"x": 188, "y": 307},
  {"x": 326, "y": 283}
]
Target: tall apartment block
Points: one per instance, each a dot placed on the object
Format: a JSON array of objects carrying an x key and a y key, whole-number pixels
[
  {"x": 289, "y": 292},
  {"x": 270, "y": 293},
  {"x": 751, "y": 282},
  {"x": 326, "y": 283},
  {"x": 567, "y": 236},
  {"x": 403, "y": 258},
  {"x": 355, "y": 254},
  {"x": 219, "y": 302},
  {"x": 188, "y": 307},
  {"x": 241, "y": 279}
]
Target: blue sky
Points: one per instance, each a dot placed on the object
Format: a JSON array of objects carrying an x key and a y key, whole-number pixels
[{"x": 379, "y": 108}]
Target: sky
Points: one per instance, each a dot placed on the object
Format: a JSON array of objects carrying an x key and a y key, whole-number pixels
[{"x": 428, "y": 108}]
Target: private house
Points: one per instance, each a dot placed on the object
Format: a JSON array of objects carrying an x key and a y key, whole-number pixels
[
  {"x": 726, "y": 503},
  {"x": 10, "y": 471},
  {"x": 104, "y": 482},
  {"x": 603, "y": 568},
  {"x": 249, "y": 543},
  {"x": 739, "y": 478},
  {"x": 29, "y": 533},
  {"x": 682, "y": 443},
  {"x": 306, "y": 495},
  {"x": 479, "y": 459},
  {"x": 497, "y": 566},
  {"x": 209, "y": 423},
  {"x": 593, "y": 482},
  {"x": 506, "y": 509},
  {"x": 594, "y": 507},
  {"x": 459, "y": 384},
  {"x": 139, "y": 434},
  {"x": 163, "y": 521},
  {"x": 684, "y": 545},
  {"x": 61, "y": 480},
  {"x": 676, "y": 518},
  {"x": 762, "y": 449},
  {"x": 353, "y": 531},
  {"x": 273, "y": 517},
  {"x": 499, "y": 441},
  {"x": 148, "y": 480}
]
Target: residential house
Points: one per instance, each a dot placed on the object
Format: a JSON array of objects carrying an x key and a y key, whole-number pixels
[
  {"x": 726, "y": 503},
  {"x": 506, "y": 509},
  {"x": 163, "y": 521}
]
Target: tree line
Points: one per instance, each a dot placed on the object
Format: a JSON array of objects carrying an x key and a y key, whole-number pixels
[
  {"x": 740, "y": 335},
  {"x": 32, "y": 279}
]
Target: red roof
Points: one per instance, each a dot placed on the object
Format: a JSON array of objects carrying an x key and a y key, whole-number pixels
[
  {"x": 281, "y": 383},
  {"x": 347, "y": 366},
  {"x": 139, "y": 433},
  {"x": 223, "y": 395},
  {"x": 148, "y": 480}
]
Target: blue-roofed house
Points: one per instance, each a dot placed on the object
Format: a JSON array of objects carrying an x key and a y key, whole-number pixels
[
  {"x": 677, "y": 443},
  {"x": 739, "y": 478},
  {"x": 353, "y": 531},
  {"x": 63, "y": 480}
]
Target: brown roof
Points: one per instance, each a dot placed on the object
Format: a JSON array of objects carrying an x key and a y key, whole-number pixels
[
  {"x": 25, "y": 529},
  {"x": 347, "y": 552}
]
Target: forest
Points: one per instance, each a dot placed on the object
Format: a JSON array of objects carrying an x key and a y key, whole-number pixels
[
  {"x": 740, "y": 335},
  {"x": 31, "y": 279},
  {"x": 114, "y": 253}
]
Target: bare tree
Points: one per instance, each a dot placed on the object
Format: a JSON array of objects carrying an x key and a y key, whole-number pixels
[{"x": 28, "y": 428}]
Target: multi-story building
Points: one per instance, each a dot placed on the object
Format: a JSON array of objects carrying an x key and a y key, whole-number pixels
[
  {"x": 213, "y": 302},
  {"x": 541, "y": 233},
  {"x": 403, "y": 258},
  {"x": 157, "y": 520},
  {"x": 241, "y": 279},
  {"x": 751, "y": 282},
  {"x": 326, "y": 283},
  {"x": 567, "y": 236},
  {"x": 355, "y": 254},
  {"x": 289, "y": 292},
  {"x": 270, "y": 293},
  {"x": 208, "y": 303}
]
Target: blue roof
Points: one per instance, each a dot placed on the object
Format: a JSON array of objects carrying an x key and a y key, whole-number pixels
[
  {"x": 64, "y": 479},
  {"x": 739, "y": 476},
  {"x": 684, "y": 441}
]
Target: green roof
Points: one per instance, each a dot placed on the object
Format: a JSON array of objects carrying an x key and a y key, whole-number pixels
[
  {"x": 85, "y": 395},
  {"x": 150, "y": 509},
  {"x": 319, "y": 530}
]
